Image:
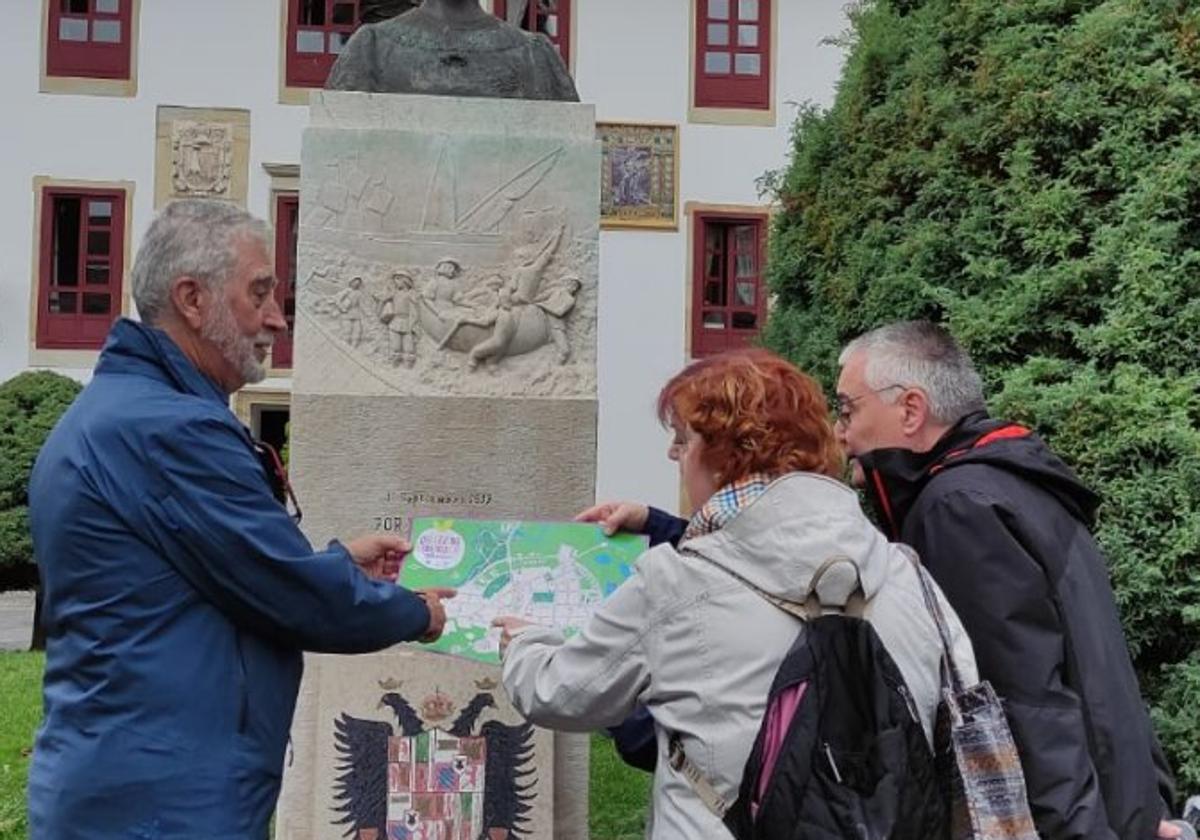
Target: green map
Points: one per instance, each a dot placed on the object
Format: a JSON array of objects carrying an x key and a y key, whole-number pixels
[{"x": 550, "y": 573}]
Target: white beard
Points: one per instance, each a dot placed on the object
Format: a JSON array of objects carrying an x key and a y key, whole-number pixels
[{"x": 237, "y": 349}]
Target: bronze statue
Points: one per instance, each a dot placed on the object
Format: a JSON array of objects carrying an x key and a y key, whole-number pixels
[{"x": 452, "y": 48}]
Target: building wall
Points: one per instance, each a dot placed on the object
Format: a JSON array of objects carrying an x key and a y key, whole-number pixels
[{"x": 631, "y": 58}]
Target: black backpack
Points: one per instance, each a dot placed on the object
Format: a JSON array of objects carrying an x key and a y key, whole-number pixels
[{"x": 854, "y": 762}]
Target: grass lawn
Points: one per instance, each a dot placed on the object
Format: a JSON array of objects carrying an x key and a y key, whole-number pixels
[
  {"x": 618, "y": 793},
  {"x": 21, "y": 700}
]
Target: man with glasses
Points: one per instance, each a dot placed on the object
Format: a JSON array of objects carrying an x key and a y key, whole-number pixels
[
  {"x": 1003, "y": 526},
  {"x": 179, "y": 592}
]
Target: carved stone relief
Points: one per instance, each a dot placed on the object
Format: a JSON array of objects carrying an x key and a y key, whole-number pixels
[
  {"x": 443, "y": 268},
  {"x": 201, "y": 159},
  {"x": 451, "y": 313}
]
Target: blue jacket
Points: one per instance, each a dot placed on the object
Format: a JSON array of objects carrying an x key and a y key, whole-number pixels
[{"x": 178, "y": 596}]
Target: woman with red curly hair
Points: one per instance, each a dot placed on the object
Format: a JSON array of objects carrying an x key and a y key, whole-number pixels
[{"x": 695, "y": 635}]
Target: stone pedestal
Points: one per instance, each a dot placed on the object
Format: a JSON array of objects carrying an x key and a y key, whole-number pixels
[{"x": 445, "y": 364}]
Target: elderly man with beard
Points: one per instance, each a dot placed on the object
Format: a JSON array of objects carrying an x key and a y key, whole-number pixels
[{"x": 179, "y": 593}]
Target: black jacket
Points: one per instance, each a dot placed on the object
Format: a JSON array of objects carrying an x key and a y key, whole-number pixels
[{"x": 1003, "y": 526}]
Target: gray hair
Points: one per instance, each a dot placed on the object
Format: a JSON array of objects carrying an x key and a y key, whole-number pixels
[
  {"x": 919, "y": 354},
  {"x": 190, "y": 237}
]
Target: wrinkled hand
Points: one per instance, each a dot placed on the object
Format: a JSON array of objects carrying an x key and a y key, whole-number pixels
[
  {"x": 433, "y": 598},
  {"x": 616, "y": 516},
  {"x": 379, "y": 555},
  {"x": 508, "y": 625}
]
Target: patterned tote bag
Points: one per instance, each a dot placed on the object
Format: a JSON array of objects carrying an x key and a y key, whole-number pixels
[{"x": 977, "y": 762}]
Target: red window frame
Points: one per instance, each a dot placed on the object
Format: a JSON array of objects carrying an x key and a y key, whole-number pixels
[
  {"x": 558, "y": 22},
  {"x": 723, "y": 273},
  {"x": 287, "y": 230},
  {"x": 90, "y": 58},
  {"x": 724, "y": 54},
  {"x": 309, "y": 68},
  {"x": 78, "y": 329}
]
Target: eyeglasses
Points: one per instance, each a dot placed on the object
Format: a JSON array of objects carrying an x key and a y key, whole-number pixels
[
  {"x": 277, "y": 475},
  {"x": 841, "y": 407}
]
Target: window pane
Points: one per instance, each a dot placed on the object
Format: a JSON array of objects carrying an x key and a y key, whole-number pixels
[
  {"x": 312, "y": 12},
  {"x": 714, "y": 293},
  {"x": 748, "y": 64},
  {"x": 310, "y": 42},
  {"x": 717, "y": 62},
  {"x": 99, "y": 242},
  {"x": 745, "y": 265},
  {"x": 552, "y": 26},
  {"x": 94, "y": 304},
  {"x": 718, "y": 34},
  {"x": 108, "y": 7},
  {"x": 66, "y": 241},
  {"x": 714, "y": 265},
  {"x": 745, "y": 293},
  {"x": 106, "y": 31},
  {"x": 343, "y": 14},
  {"x": 74, "y": 7},
  {"x": 714, "y": 320},
  {"x": 97, "y": 273},
  {"x": 62, "y": 303},
  {"x": 99, "y": 213},
  {"x": 748, "y": 9},
  {"x": 744, "y": 320},
  {"x": 718, "y": 9},
  {"x": 337, "y": 40},
  {"x": 747, "y": 250},
  {"x": 748, "y": 35},
  {"x": 72, "y": 29},
  {"x": 714, "y": 237}
]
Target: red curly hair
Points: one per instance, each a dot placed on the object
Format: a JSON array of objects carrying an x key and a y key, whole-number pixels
[{"x": 755, "y": 412}]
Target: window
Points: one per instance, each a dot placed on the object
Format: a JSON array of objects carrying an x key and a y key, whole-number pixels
[
  {"x": 316, "y": 32},
  {"x": 80, "y": 268},
  {"x": 287, "y": 228},
  {"x": 733, "y": 54},
  {"x": 550, "y": 17},
  {"x": 89, "y": 38},
  {"x": 728, "y": 299}
]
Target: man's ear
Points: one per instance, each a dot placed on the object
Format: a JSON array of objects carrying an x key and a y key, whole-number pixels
[
  {"x": 915, "y": 405},
  {"x": 191, "y": 300}
]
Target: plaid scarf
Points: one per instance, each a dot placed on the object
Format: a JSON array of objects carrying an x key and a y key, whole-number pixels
[{"x": 725, "y": 504}]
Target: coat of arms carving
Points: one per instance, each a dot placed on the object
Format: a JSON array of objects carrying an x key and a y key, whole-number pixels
[{"x": 201, "y": 159}]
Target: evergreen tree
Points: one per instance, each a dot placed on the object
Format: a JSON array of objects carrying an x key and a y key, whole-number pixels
[{"x": 1027, "y": 172}]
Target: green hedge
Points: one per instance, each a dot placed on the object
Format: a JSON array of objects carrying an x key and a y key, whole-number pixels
[
  {"x": 1028, "y": 173},
  {"x": 30, "y": 405}
]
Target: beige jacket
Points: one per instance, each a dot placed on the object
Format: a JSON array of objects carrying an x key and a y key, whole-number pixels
[{"x": 699, "y": 649}]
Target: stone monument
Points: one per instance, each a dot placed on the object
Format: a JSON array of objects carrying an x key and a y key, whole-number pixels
[{"x": 445, "y": 364}]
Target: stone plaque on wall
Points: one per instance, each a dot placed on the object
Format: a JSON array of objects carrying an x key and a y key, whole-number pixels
[
  {"x": 201, "y": 153},
  {"x": 445, "y": 364}
]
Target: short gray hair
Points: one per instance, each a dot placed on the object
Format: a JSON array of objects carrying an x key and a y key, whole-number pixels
[
  {"x": 193, "y": 237},
  {"x": 919, "y": 354}
]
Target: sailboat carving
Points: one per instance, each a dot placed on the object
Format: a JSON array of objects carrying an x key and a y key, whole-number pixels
[{"x": 441, "y": 212}]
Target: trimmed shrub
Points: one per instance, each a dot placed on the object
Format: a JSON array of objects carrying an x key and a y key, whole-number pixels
[{"x": 30, "y": 405}]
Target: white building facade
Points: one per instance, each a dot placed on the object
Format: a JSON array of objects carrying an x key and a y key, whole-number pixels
[{"x": 104, "y": 98}]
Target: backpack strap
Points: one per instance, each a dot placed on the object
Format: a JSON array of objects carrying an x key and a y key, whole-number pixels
[
  {"x": 815, "y": 602},
  {"x": 702, "y": 787}
]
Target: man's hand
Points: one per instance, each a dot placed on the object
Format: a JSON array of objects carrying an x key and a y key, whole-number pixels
[
  {"x": 1172, "y": 830},
  {"x": 508, "y": 624},
  {"x": 379, "y": 555},
  {"x": 616, "y": 516},
  {"x": 437, "y": 613}
]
